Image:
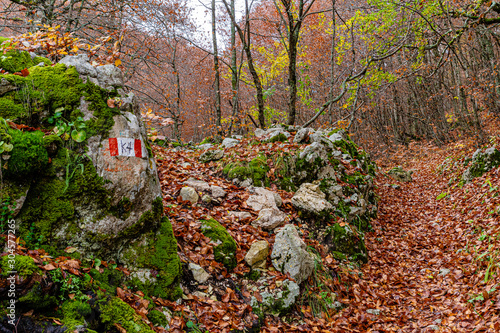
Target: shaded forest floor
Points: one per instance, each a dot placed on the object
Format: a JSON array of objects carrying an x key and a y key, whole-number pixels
[{"x": 434, "y": 253}]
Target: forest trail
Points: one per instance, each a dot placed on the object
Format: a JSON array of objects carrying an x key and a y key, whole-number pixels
[
  {"x": 433, "y": 255},
  {"x": 425, "y": 272}
]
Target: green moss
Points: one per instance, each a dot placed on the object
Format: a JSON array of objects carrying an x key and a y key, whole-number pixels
[
  {"x": 103, "y": 114},
  {"x": 158, "y": 318},
  {"x": 74, "y": 313},
  {"x": 225, "y": 252},
  {"x": 15, "y": 61},
  {"x": 256, "y": 170},
  {"x": 115, "y": 311},
  {"x": 38, "y": 60},
  {"x": 345, "y": 241},
  {"x": 253, "y": 275},
  {"x": 123, "y": 208},
  {"x": 24, "y": 265},
  {"x": 38, "y": 299},
  {"x": 28, "y": 156},
  {"x": 149, "y": 219},
  {"x": 108, "y": 280},
  {"x": 160, "y": 254}
]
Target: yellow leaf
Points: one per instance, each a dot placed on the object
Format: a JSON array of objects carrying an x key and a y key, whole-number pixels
[{"x": 118, "y": 62}]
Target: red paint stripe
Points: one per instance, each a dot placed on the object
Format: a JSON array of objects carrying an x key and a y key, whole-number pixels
[
  {"x": 113, "y": 146},
  {"x": 138, "y": 148}
]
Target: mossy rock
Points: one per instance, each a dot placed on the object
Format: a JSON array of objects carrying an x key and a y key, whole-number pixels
[
  {"x": 399, "y": 174},
  {"x": 346, "y": 242},
  {"x": 225, "y": 251},
  {"x": 481, "y": 163},
  {"x": 255, "y": 170},
  {"x": 157, "y": 251},
  {"x": 115, "y": 311},
  {"x": 158, "y": 318}
]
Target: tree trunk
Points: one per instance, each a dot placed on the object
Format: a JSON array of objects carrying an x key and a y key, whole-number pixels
[{"x": 218, "y": 113}]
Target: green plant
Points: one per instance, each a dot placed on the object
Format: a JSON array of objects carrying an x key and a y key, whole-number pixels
[
  {"x": 72, "y": 166},
  {"x": 192, "y": 327},
  {"x": 70, "y": 285},
  {"x": 65, "y": 129}
]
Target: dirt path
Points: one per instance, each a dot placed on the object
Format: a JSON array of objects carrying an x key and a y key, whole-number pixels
[{"x": 421, "y": 275}]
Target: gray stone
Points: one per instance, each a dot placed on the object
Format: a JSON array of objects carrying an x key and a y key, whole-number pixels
[
  {"x": 290, "y": 254},
  {"x": 240, "y": 215},
  {"x": 259, "y": 132},
  {"x": 229, "y": 143},
  {"x": 211, "y": 155},
  {"x": 217, "y": 192},
  {"x": 302, "y": 135},
  {"x": 270, "y": 218},
  {"x": 310, "y": 200},
  {"x": 206, "y": 198},
  {"x": 199, "y": 274},
  {"x": 81, "y": 64},
  {"x": 109, "y": 77},
  {"x": 433, "y": 327},
  {"x": 444, "y": 272},
  {"x": 246, "y": 183},
  {"x": 257, "y": 254},
  {"x": 189, "y": 194},
  {"x": 198, "y": 185}
]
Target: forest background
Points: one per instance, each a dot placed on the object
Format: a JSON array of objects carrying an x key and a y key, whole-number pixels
[{"x": 388, "y": 71}]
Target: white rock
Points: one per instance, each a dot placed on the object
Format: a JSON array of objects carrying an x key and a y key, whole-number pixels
[
  {"x": 263, "y": 199},
  {"x": 240, "y": 215},
  {"x": 81, "y": 64}
]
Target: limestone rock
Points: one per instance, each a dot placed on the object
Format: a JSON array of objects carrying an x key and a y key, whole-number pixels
[
  {"x": 211, "y": 155},
  {"x": 217, "y": 192},
  {"x": 290, "y": 256},
  {"x": 198, "y": 185},
  {"x": 340, "y": 135},
  {"x": 189, "y": 194},
  {"x": 109, "y": 77},
  {"x": 206, "y": 198},
  {"x": 400, "y": 175},
  {"x": 302, "y": 135},
  {"x": 257, "y": 255},
  {"x": 81, "y": 63},
  {"x": 263, "y": 199},
  {"x": 199, "y": 274},
  {"x": 310, "y": 200},
  {"x": 270, "y": 218},
  {"x": 229, "y": 143}
]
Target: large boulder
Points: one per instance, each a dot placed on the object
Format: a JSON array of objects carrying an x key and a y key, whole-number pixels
[
  {"x": 266, "y": 203},
  {"x": 290, "y": 254},
  {"x": 93, "y": 183},
  {"x": 400, "y": 175}
]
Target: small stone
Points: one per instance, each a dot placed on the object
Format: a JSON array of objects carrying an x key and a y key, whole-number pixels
[
  {"x": 200, "y": 294},
  {"x": 189, "y": 194},
  {"x": 279, "y": 283},
  {"x": 433, "y": 327},
  {"x": 444, "y": 272},
  {"x": 240, "y": 215},
  {"x": 185, "y": 164},
  {"x": 206, "y": 146},
  {"x": 206, "y": 198},
  {"x": 217, "y": 192},
  {"x": 257, "y": 255},
  {"x": 375, "y": 312},
  {"x": 199, "y": 274}
]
